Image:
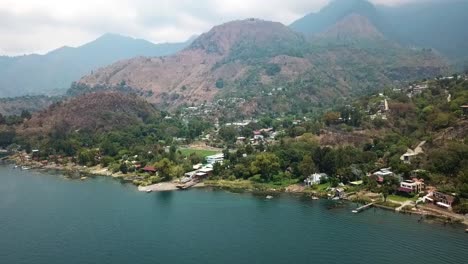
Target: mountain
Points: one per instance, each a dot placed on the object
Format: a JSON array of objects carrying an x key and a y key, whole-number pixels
[
  {"x": 53, "y": 72},
  {"x": 428, "y": 24},
  {"x": 244, "y": 58},
  {"x": 331, "y": 14},
  {"x": 351, "y": 27},
  {"x": 96, "y": 112},
  {"x": 436, "y": 24}
]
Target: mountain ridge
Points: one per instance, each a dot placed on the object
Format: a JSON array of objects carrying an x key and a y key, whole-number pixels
[
  {"x": 410, "y": 24},
  {"x": 52, "y": 73},
  {"x": 242, "y": 57}
]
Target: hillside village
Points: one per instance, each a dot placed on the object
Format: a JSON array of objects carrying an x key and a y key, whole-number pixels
[{"x": 345, "y": 162}]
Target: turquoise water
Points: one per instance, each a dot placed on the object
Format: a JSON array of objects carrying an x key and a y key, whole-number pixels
[{"x": 45, "y": 218}]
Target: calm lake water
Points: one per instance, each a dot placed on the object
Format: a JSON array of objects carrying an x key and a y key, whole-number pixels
[{"x": 45, "y": 218}]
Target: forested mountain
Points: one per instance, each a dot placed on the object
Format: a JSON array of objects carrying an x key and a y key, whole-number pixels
[
  {"x": 440, "y": 25},
  {"x": 243, "y": 58},
  {"x": 53, "y": 72}
]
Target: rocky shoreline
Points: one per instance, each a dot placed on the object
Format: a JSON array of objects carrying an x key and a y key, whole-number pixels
[{"x": 81, "y": 172}]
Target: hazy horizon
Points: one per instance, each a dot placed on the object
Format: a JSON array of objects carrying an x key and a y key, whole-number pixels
[{"x": 39, "y": 27}]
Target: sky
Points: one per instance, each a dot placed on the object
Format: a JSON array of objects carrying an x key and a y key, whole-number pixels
[{"x": 39, "y": 26}]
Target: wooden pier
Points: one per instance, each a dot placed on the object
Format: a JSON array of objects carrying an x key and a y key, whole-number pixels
[{"x": 362, "y": 208}]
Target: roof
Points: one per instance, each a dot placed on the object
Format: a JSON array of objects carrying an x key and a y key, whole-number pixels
[
  {"x": 356, "y": 182},
  {"x": 149, "y": 168},
  {"x": 447, "y": 197},
  {"x": 215, "y": 156}
]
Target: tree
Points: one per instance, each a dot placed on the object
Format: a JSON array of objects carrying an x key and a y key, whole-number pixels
[
  {"x": 331, "y": 118},
  {"x": 123, "y": 168},
  {"x": 272, "y": 69},
  {"x": 265, "y": 164},
  {"x": 25, "y": 114},
  {"x": 6, "y": 137},
  {"x": 307, "y": 166},
  {"x": 220, "y": 83},
  {"x": 176, "y": 172},
  {"x": 385, "y": 190},
  {"x": 164, "y": 167},
  {"x": 228, "y": 134}
]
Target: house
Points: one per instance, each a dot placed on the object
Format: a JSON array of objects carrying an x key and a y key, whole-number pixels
[
  {"x": 258, "y": 135},
  {"x": 150, "y": 169},
  {"x": 215, "y": 158},
  {"x": 197, "y": 166},
  {"x": 412, "y": 186},
  {"x": 315, "y": 179},
  {"x": 406, "y": 158},
  {"x": 206, "y": 170},
  {"x": 441, "y": 199},
  {"x": 240, "y": 140},
  {"x": 384, "y": 172}
]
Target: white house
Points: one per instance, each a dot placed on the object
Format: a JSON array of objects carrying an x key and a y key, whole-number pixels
[
  {"x": 215, "y": 158},
  {"x": 315, "y": 179},
  {"x": 411, "y": 186},
  {"x": 384, "y": 172}
]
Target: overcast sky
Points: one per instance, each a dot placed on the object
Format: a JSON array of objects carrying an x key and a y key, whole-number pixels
[{"x": 38, "y": 26}]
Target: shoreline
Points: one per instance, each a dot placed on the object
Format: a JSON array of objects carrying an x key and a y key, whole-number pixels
[{"x": 230, "y": 186}]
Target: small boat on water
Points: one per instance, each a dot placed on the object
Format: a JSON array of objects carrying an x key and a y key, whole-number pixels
[
  {"x": 148, "y": 191},
  {"x": 315, "y": 198},
  {"x": 25, "y": 168},
  {"x": 355, "y": 211},
  {"x": 269, "y": 197}
]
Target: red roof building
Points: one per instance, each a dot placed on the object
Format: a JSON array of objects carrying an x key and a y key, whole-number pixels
[{"x": 150, "y": 169}]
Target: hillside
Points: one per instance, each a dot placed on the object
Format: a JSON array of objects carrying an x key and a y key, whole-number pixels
[
  {"x": 95, "y": 112},
  {"x": 14, "y": 106},
  {"x": 414, "y": 24},
  {"x": 243, "y": 57},
  {"x": 53, "y": 72}
]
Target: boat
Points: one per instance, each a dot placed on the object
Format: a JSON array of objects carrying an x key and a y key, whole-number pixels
[
  {"x": 269, "y": 197},
  {"x": 148, "y": 190},
  {"x": 315, "y": 198},
  {"x": 24, "y": 168},
  {"x": 355, "y": 211}
]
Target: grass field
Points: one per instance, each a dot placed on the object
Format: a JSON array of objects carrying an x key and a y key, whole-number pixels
[
  {"x": 401, "y": 199},
  {"x": 200, "y": 152}
]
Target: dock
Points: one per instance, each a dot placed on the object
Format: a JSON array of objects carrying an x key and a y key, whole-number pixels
[
  {"x": 187, "y": 185},
  {"x": 362, "y": 208}
]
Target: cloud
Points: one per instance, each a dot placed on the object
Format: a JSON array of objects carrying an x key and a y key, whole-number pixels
[{"x": 28, "y": 26}]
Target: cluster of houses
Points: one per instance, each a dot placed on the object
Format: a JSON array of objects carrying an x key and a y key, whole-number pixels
[
  {"x": 201, "y": 171},
  {"x": 416, "y": 89},
  {"x": 407, "y": 187},
  {"x": 208, "y": 110},
  {"x": 264, "y": 135}
]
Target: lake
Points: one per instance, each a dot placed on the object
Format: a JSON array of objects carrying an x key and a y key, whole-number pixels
[{"x": 45, "y": 218}]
